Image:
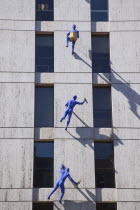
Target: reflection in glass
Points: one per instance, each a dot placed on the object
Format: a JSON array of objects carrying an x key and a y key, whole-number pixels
[
  {"x": 100, "y": 54},
  {"x": 102, "y": 107},
  {"x": 44, "y": 10},
  {"x": 44, "y": 107},
  {"x": 43, "y": 164},
  {"x": 44, "y": 53}
]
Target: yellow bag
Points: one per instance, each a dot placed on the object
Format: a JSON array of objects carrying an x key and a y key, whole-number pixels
[{"x": 73, "y": 36}]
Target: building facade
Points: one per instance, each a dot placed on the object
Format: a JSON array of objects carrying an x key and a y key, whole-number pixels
[{"x": 38, "y": 75}]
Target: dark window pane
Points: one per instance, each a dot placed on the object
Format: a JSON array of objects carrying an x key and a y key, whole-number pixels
[
  {"x": 106, "y": 206},
  {"x": 102, "y": 107},
  {"x": 99, "y": 16},
  {"x": 44, "y": 10},
  {"x": 104, "y": 157},
  {"x": 99, "y": 4},
  {"x": 43, "y": 164},
  {"x": 105, "y": 178},
  {"x": 44, "y": 107},
  {"x": 100, "y": 54},
  {"x": 44, "y": 53},
  {"x": 104, "y": 164},
  {"x": 42, "y": 206}
]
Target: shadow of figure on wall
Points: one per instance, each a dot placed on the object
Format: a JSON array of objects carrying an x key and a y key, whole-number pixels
[
  {"x": 132, "y": 96},
  {"x": 76, "y": 56}
]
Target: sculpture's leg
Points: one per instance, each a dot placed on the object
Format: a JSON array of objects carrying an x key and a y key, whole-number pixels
[
  {"x": 55, "y": 188},
  {"x": 62, "y": 192},
  {"x": 67, "y": 41},
  {"x": 64, "y": 116},
  {"x": 69, "y": 118},
  {"x": 73, "y": 44}
]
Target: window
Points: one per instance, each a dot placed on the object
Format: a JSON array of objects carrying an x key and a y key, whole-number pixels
[
  {"x": 104, "y": 164},
  {"x": 100, "y": 54},
  {"x": 99, "y": 10},
  {"x": 44, "y": 53},
  {"x": 44, "y": 107},
  {"x": 102, "y": 107},
  {"x": 43, "y": 206},
  {"x": 43, "y": 164},
  {"x": 44, "y": 10},
  {"x": 106, "y": 206}
]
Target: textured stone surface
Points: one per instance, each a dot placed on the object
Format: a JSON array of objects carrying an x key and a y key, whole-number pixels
[
  {"x": 79, "y": 157},
  {"x": 18, "y": 54},
  {"x": 17, "y": 10},
  {"x": 16, "y": 133},
  {"x": 106, "y": 194},
  {"x": 41, "y": 194},
  {"x": 69, "y": 10},
  {"x": 17, "y": 105},
  {"x": 126, "y": 105},
  {"x": 17, "y": 25},
  {"x": 128, "y": 205},
  {"x": 7, "y": 77},
  {"x": 101, "y": 78},
  {"x": 127, "y": 164},
  {"x": 15, "y": 206},
  {"x": 75, "y": 205},
  {"x": 16, "y": 163},
  {"x": 15, "y": 195},
  {"x": 125, "y": 56}
]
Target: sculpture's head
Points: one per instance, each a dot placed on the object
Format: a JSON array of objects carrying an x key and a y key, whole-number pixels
[
  {"x": 75, "y": 97},
  {"x": 62, "y": 166},
  {"x": 74, "y": 26},
  {"x": 67, "y": 170}
]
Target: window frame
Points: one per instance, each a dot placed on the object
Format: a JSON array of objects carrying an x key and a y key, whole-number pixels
[
  {"x": 42, "y": 141},
  {"x": 43, "y": 35},
  {"x": 113, "y": 168},
  {"x": 101, "y": 11}
]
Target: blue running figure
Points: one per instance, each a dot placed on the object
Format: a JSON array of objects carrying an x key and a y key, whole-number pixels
[
  {"x": 64, "y": 173},
  {"x": 70, "y": 106},
  {"x": 72, "y": 36}
]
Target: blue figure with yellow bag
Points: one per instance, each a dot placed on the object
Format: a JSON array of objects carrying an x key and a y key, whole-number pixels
[{"x": 72, "y": 36}]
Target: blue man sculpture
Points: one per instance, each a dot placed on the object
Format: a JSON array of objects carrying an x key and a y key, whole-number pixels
[
  {"x": 70, "y": 106},
  {"x": 72, "y": 36},
  {"x": 64, "y": 173}
]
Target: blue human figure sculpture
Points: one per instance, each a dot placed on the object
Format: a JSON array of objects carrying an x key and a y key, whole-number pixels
[
  {"x": 64, "y": 173},
  {"x": 72, "y": 39},
  {"x": 70, "y": 106}
]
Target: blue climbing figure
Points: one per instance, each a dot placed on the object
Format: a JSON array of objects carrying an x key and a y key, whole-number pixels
[
  {"x": 64, "y": 173},
  {"x": 72, "y": 36},
  {"x": 70, "y": 106}
]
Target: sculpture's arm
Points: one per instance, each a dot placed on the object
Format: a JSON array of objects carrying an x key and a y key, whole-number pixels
[
  {"x": 68, "y": 34},
  {"x": 80, "y": 103},
  {"x": 70, "y": 178}
]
